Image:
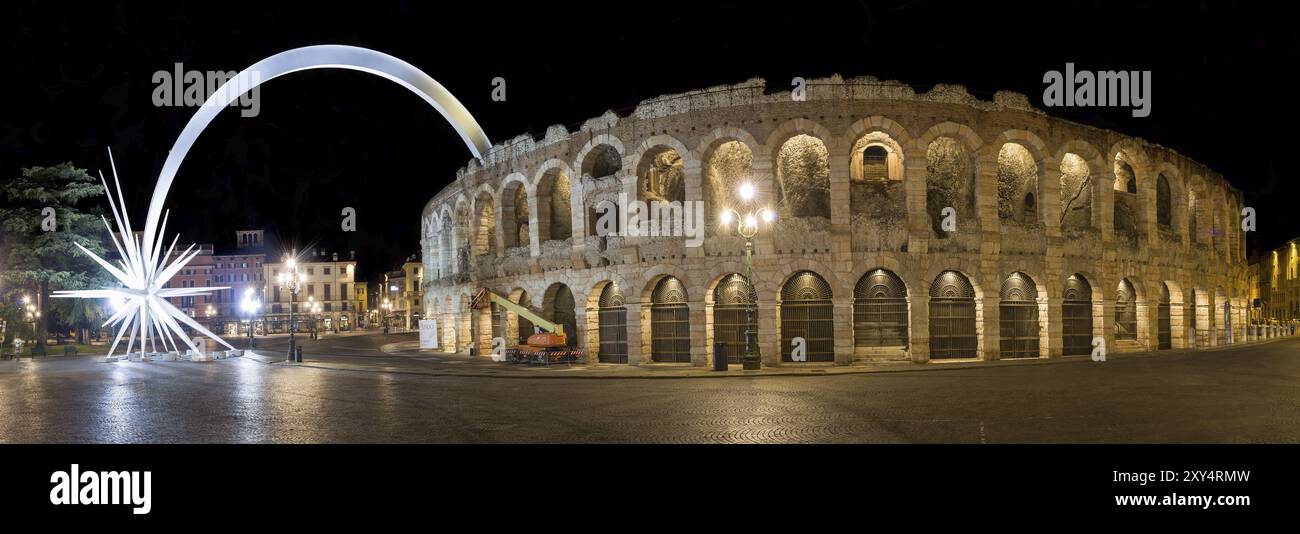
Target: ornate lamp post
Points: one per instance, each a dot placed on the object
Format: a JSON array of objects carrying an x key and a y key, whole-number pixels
[
  {"x": 393, "y": 289},
  {"x": 386, "y": 308},
  {"x": 31, "y": 314},
  {"x": 747, "y": 227},
  {"x": 291, "y": 280},
  {"x": 250, "y": 308}
]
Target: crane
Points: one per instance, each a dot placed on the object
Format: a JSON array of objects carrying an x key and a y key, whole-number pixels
[{"x": 548, "y": 346}]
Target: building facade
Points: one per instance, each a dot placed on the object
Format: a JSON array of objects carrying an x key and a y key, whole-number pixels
[
  {"x": 1277, "y": 286},
  {"x": 238, "y": 268},
  {"x": 403, "y": 293},
  {"x": 910, "y": 226},
  {"x": 328, "y": 281}
]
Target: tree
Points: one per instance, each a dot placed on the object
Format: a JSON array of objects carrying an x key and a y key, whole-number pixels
[{"x": 43, "y": 213}]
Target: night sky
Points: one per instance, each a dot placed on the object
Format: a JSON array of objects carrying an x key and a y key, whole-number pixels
[{"x": 78, "y": 80}]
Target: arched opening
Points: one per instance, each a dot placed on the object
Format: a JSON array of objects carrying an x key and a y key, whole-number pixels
[
  {"x": 554, "y": 212},
  {"x": 670, "y": 322},
  {"x": 807, "y": 312},
  {"x": 1126, "y": 311},
  {"x": 1017, "y": 184},
  {"x": 1164, "y": 323},
  {"x": 485, "y": 236},
  {"x": 514, "y": 215},
  {"x": 803, "y": 178},
  {"x": 612, "y": 325},
  {"x": 1018, "y": 317},
  {"x": 949, "y": 183},
  {"x": 1164, "y": 202},
  {"x": 1076, "y": 193},
  {"x": 461, "y": 240},
  {"x": 877, "y": 194},
  {"x": 660, "y": 176},
  {"x": 879, "y": 311},
  {"x": 727, "y": 166},
  {"x": 952, "y": 317},
  {"x": 734, "y": 313},
  {"x": 603, "y": 160},
  {"x": 558, "y": 307},
  {"x": 1076, "y": 316}
]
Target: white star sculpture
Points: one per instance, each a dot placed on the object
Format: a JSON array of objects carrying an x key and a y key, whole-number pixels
[{"x": 143, "y": 272}]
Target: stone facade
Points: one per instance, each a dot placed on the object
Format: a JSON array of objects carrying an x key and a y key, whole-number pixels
[{"x": 861, "y": 174}]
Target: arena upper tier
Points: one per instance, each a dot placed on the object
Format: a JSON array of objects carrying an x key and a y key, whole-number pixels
[{"x": 1063, "y": 232}]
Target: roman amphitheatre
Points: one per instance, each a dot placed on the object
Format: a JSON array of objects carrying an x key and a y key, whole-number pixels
[{"x": 1058, "y": 232}]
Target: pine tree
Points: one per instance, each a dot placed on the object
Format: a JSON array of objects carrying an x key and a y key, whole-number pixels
[{"x": 43, "y": 213}]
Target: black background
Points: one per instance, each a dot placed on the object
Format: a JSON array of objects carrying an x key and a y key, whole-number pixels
[
  {"x": 681, "y": 488},
  {"x": 78, "y": 80}
]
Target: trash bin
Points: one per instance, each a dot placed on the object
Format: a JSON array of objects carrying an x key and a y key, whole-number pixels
[
  {"x": 719, "y": 357},
  {"x": 297, "y": 356}
]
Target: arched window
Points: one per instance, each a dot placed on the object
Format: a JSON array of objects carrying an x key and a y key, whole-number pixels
[
  {"x": 875, "y": 163},
  {"x": 1164, "y": 202},
  {"x": 806, "y": 312},
  {"x": 602, "y": 161},
  {"x": 560, "y": 310}
]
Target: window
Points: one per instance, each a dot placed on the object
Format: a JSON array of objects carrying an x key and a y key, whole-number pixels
[{"x": 327, "y": 271}]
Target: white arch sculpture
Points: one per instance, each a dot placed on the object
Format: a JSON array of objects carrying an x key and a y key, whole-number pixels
[{"x": 143, "y": 272}]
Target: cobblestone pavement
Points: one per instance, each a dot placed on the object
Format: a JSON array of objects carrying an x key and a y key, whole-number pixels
[{"x": 1241, "y": 394}]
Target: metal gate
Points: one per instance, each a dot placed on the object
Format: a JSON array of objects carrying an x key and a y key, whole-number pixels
[
  {"x": 1164, "y": 326},
  {"x": 880, "y": 310},
  {"x": 1125, "y": 311},
  {"x": 613, "y": 325},
  {"x": 952, "y": 317},
  {"x": 1018, "y": 318},
  {"x": 807, "y": 312},
  {"x": 733, "y": 301},
  {"x": 1076, "y": 316},
  {"x": 670, "y": 323}
]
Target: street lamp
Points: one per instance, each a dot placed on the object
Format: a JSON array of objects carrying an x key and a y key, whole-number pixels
[
  {"x": 747, "y": 226},
  {"x": 387, "y": 308},
  {"x": 250, "y": 307},
  {"x": 393, "y": 289},
  {"x": 31, "y": 315},
  {"x": 291, "y": 280},
  {"x": 313, "y": 308}
]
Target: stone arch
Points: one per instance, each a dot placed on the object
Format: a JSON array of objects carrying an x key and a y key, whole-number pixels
[
  {"x": 669, "y": 321},
  {"x": 880, "y": 312},
  {"x": 553, "y": 202},
  {"x": 602, "y": 154},
  {"x": 559, "y": 305},
  {"x": 1017, "y": 157},
  {"x": 607, "y": 321},
  {"x": 806, "y": 311},
  {"x": 1080, "y": 302},
  {"x": 954, "y": 318},
  {"x": 485, "y": 223},
  {"x": 1021, "y": 322},
  {"x": 515, "y": 227},
  {"x": 660, "y": 165},
  {"x": 1127, "y": 299},
  {"x": 877, "y": 189},
  {"x": 726, "y": 160},
  {"x": 731, "y": 305},
  {"x": 800, "y": 154},
  {"x": 1081, "y": 167},
  {"x": 951, "y": 177},
  {"x": 892, "y": 138}
]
